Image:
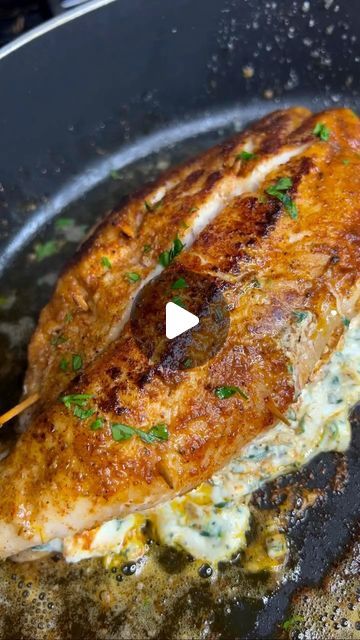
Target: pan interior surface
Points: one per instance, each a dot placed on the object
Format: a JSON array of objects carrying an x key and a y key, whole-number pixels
[
  {"x": 64, "y": 172},
  {"x": 167, "y": 597}
]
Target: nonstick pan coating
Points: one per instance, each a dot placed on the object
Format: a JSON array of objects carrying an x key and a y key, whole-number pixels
[{"x": 91, "y": 108}]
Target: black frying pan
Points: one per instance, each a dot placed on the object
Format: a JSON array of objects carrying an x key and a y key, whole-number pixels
[{"x": 130, "y": 86}]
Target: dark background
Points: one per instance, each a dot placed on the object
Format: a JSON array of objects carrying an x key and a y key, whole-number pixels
[{"x": 18, "y": 16}]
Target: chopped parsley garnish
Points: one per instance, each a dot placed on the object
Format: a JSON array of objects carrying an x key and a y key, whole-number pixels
[
  {"x": 46, "y": 249},
  {"x": 76, "y": 400},
  {"x": 151, "y": 207},
  {"x": 227, "y": 391},
  {"x": 321, "y": 131},
  {"x": 179, "y": 301},
  {"x": 166, "y": 257},
  {"x": 58, "y": 339},
  {"x": 68, "y": 318},
  {"x": 192, "y": 210},
  {"x": 157, "y": 433},
  {"x": 132, "y": 276},
  {"x": 105, "y": 262},
  {"x": 300, "y": 316},
  {"x": 187, "y": 363},
  {"x": 300, "y": 427},
  {"x": 290, "y": 623},
  {"x": 221, "y": 505},
  {"x": 245, "y": 155},
  {"x": 279, "y": 191},
  {"x": 77, "y": 362},
  {"x": 97, "y": 424},
  {"x": 83, "y": 414},
  {"x": 147, "y": 248},
  {"x": 346, "y": 322},
  {"x": 180, "y": 283},
  {"x": 64, "y": 364},
  {"x": 346, "y": 162},
  {"x": 64, "y": 223},
  {"x": 115, "y": 175}
]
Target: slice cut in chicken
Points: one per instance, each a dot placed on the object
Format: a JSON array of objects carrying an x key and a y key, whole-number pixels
[
  {"x": 287, "y": 219},
  {"x": 93, "y": 297}
]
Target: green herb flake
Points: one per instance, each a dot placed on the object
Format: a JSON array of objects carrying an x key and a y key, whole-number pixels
[
  {"x": 115, "y": 175},
  {"x": 245, "y": 155},
  {"x": 68, "y": 318},
  {"x": 300, "y": 316},
  {"x": 76, "y": 399},
  {"x": 46, "y": 249},
  {"x": 321, "y": 131},
  {"x": 149, "y": 206},
  {"x": 227, "y": 391},
  {"x": 187, "y": 363},
  {"x": 83, "y": 414},
  {"x": 334, "y": 428},
  {"x": 64, "y": 364},
  {"x": 63, "y": 223},
  {"x": 180, "y": 283},
  {"x": 105, "y": 262},
  {"x": 166, "y": 257},
  {"x": 278, "y": 190},
  {"x": 346, "y": 162},
  {"x": 97, "y": 424},
  {"x": 147, "y": 248},
  {"x": 221, "y": 505},
  {"x": 179, "y": 301},
  {"x": 262, "y": 199},
  {"x": 346, "y": 322},
  {"x": 132, "y": 276},
  {"x": 300, "y": 426},
  {"x": 77, "y": 362},
  {"x": 157, "y": 433},
  {"x": 290, "y": 623},
  {"x": 58, "y": 339},
  {"x": 121, "y": 432},
  {"x": 283, "y": 184}
]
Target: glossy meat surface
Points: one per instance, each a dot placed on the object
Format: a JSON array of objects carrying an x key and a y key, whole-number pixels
[{"x": 289, "y": 281}]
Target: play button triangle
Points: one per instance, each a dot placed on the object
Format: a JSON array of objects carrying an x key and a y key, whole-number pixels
[{"x": 178, "y": 320}]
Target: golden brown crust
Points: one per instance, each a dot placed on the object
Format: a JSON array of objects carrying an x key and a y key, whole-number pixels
[
  {"x": 309, "y": 264},
  {"x": 132, "y": 238}
]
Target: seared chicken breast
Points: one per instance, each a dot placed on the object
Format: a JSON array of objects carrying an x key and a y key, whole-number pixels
[{"x": 273, "y": 217}]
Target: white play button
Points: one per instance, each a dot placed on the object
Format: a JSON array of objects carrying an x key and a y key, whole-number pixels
[{"x": 178, "y": 320}]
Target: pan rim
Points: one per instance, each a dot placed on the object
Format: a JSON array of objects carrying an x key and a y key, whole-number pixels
[{"x": 50, "y": 25}]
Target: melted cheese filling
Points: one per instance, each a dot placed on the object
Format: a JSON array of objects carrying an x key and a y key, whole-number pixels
[{"x": 211, "y": 521}]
